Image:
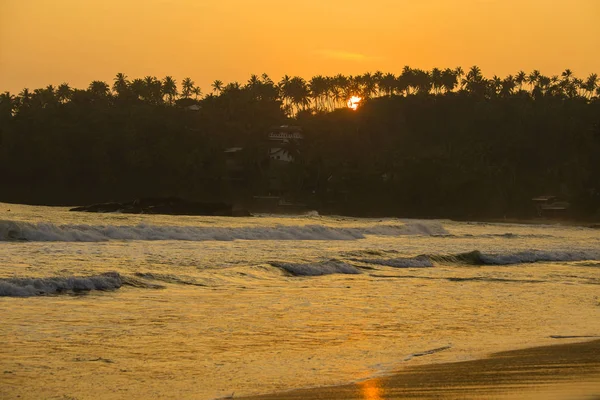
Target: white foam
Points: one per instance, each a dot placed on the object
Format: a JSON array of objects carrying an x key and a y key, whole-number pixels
[
  {"x": 26, "y": 287},
  {"x": 48, "y": 232},
  {"x": 317, "y": 269}
]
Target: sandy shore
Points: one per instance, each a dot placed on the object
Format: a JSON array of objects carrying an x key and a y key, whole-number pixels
[{"x": 562, "y": 371}]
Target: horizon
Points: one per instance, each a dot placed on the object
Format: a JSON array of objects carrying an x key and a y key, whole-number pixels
[{"x": 78, "y": 43}]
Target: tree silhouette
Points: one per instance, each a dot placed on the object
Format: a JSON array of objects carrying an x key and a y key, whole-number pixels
[
  {"x": 121, "y": 85},
  {"x": 169, "y": 89},
  {"x": 64, "y": 92},
  {"x": 217, "y": 86},
  {"x": 187, "y": 87},
  {"x": 99, "y": 89}
]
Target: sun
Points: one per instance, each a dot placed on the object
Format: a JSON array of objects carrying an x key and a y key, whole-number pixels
[{"x": 353, "y": 102}]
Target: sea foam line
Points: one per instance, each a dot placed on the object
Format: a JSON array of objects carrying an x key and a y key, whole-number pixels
[{"x": 48, "y": 232}]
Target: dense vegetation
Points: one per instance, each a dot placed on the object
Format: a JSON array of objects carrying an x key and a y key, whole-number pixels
[{"x": 422, "y": 143}]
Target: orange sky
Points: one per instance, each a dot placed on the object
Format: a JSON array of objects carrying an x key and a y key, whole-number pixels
[{"x": 53, "y": 41}]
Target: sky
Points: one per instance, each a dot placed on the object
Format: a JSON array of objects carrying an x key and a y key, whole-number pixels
[{"x": 46, "y": 42}]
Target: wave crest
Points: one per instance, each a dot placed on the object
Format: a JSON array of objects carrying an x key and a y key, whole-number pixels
[
  {"x": 48, "y": 232},
  {"x": 522, "y": 257},
  {"x": 479, "y": 258},
  {"x": 317, "y": 269},
  {"x": 27, "y": 287},
  {"x": 409, "y": 262}
]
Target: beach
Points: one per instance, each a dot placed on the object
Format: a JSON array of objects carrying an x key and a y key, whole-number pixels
[
  {"x": 562, "y": 371},
  {"x": 116, "y": 306}
]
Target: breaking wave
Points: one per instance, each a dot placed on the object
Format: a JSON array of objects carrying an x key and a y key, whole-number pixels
[
  {"x": 412, "y": 262},
  {"x": 523, "y": 257},
  {"x": 478, "y": 258},
  {"x": 48, "y": 232},
  {"x": 317, "y": 269},
  {"x": 26, "y": 287}
]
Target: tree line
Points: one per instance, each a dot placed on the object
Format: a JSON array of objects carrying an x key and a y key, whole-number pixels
[{"x": 443, "y": 142}]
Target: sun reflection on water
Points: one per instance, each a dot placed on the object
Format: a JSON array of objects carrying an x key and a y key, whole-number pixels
[{"x": 371, "y": 390}]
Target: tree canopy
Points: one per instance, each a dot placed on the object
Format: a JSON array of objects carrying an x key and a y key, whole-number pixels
[{"x": 444, "y": 142}]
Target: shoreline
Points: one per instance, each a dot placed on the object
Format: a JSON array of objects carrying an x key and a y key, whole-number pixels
[
  {"x": 558, "y": 371},
  {"x": 591, "y": 223}
]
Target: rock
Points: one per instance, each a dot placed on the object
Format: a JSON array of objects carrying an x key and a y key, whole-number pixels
[
  {"x": 165, "y": 205},
  {"x": 101, "y": 207}
]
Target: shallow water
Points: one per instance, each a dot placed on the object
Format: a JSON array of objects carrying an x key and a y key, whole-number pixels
[{"x": 203, "y": 307}]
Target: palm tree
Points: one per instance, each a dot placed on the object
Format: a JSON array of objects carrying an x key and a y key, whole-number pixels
[
  {"x": 8, "y": 104},
  {"x": 317, "y": 87},
  {"x": 459, "y": 72},
  {"x": 138, "y": 88},
  {"x": 520, "y": 79},
  {"x": 436, "y": 80},
  {"x": 496, "y": 85},
  {"x": 368, "y": 85},
  {"x": 153, "y": 90},
  {"x": 508, "y": 85},
  {"x": 187, "y": 87},
  {"x": 169, "y": 88},
  {"x": 533, "y": 78},
  {"x": 406, "y": 79},
  {"x": 197, "y": 92},
  {"x": 284, "y": 90},
  {"x": 217, "y": 86},
  {"x": 422, "y": 81},
  {"x": 24, "y": 100},
  {"x": 567, "y": 74},
  {"x": 299, "y": 93},
  {"x": 474, "y": 81},
  {"x": 377, "y": 77},
  {"x": 544, "y": 83},
  {"x": 99, "y": 89},
  {"x": 449, "y": 79},
  {"x": 254, "y": 81},
  {"x": 64, "y": 92},
  {"x": 590, "y": 85},
  {"x": 267, "y": 79},
  {"x": 578, "y": 84},
  {"x": 121, "y": 84},
  {"x": 387, "y": 83}
]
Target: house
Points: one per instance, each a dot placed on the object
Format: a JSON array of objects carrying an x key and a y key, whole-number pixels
[
  {"x": 280, "y": 138},
  {"x": 550, "y": 206}
]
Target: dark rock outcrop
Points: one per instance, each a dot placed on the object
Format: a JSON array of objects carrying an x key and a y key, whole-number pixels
[{"x": 165, "y": 205}]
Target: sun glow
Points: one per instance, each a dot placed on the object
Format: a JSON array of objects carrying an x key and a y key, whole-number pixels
[{"x": 353, "y": 102}]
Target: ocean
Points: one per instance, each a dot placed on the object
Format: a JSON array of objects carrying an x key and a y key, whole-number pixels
[{"x": 117, "y": 306}]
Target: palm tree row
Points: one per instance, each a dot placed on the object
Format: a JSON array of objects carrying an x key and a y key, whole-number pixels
[{"x": 320, "y": 93}]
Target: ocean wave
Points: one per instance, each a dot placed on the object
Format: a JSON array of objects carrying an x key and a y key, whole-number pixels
[
  {"x": 522, "y": 257},
  {"x": 318, "y": 268},
  {"x": 167, "y": 278},
  {"x": 507, "y": 235},
  {"x": 480, "y": 258},
  {"x": 27, "y": 287},
  {"x": 409, "y": 262},
  {"x": 48, "y": 232}
]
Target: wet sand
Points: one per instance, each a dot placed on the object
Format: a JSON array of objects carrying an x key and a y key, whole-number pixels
[{"x": 562, "y": 371}]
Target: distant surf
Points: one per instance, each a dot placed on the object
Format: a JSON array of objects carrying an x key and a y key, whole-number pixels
[
  {"x": 481, "y": 258},
  {"x": 48, "y": 232}
]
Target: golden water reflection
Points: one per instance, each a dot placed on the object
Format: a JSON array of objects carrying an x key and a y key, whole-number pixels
[{"x": 371, "y": 389}]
